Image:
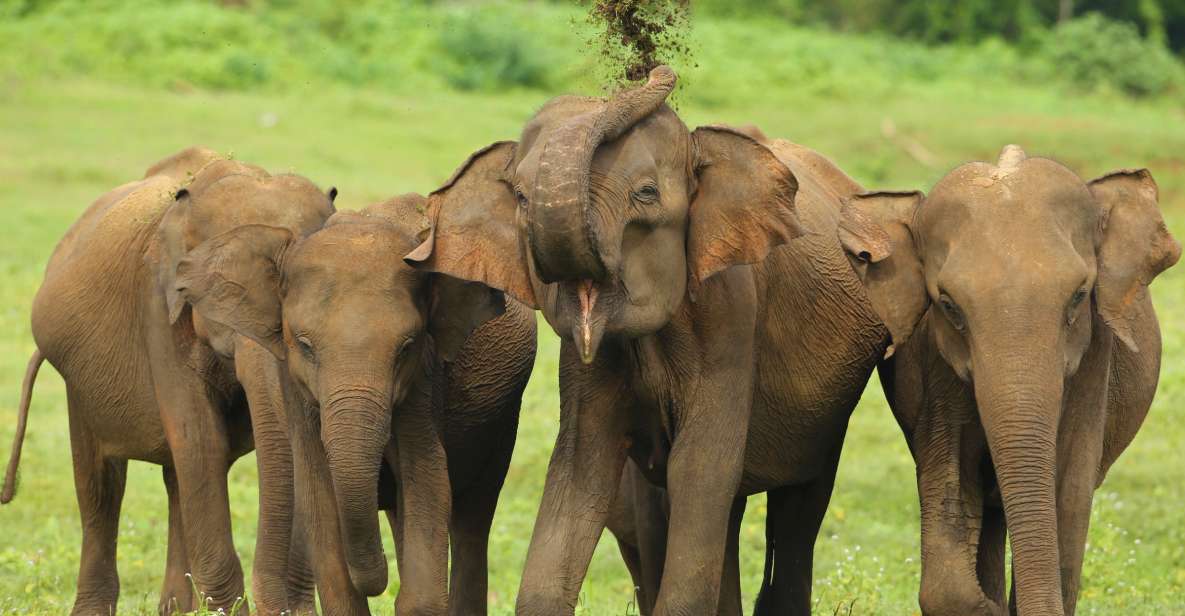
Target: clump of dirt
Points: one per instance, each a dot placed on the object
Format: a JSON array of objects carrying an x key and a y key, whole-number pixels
[{"x": 638, "y": 35}]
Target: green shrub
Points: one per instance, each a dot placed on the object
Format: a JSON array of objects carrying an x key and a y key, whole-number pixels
[
  {"x": 486, "y": 50},
  {"x": 1093, "y": 52}
]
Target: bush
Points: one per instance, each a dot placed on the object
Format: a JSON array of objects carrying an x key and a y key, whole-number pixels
[
  {"x": 486, "y": 50},
  {"x": 1094, "y": 52}
]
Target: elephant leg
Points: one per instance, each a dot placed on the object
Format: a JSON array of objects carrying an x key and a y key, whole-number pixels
[
  {"x": 205, "y": 510},
  {"x": 176, "y": 595},
  {"x": 991, "y": 566},
  {"x": 703, "y": 473},
  {"x": 472, "y": 516},
  {"x": 259, "y": 374},
  {"x": 301, "y": 581},
  {"x": 730, "y": 582},
  {"x": 651, "y": 518},
  {"x": 582, "y": 480},
  {"x": 1080, "y": 452},
  {"x": 950, "y": 449},
  {"x": 633, "y": 564},
  {"x": 793, "y": 519},
  {"x": 425, "y": 502},
  {"x": 99, "y": 485}
]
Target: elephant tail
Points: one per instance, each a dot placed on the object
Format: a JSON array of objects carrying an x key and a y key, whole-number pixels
[{"x": 21, "y": 423}]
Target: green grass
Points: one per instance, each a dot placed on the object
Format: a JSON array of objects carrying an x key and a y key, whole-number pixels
[{"x": 65, "y": 141}]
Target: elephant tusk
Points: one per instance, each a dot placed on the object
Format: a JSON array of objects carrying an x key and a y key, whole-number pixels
[{"x": 587, "y": 292}]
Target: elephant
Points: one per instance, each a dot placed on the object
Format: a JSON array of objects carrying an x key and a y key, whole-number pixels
[
  {"x": 720, "y": 371},
  {"x": 1026, "y": 354},
  {"x": 147, "y": 379},
  {"x": 380, "y": 362}
]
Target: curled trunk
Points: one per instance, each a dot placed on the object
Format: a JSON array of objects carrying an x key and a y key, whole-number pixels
[{"x": 562, "y": 239}]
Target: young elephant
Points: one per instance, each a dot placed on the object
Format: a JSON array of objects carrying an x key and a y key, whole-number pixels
[
  {"x": 148, "y": 380},
  {"x": 719, "y": 381},
  {"x": 1027, "y": 356},
  {"x": 380, "y": 360}
]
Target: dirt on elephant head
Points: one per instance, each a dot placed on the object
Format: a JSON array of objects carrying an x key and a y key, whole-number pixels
[{"x": 638, "y": 35}]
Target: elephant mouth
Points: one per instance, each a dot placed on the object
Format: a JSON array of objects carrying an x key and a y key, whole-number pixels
[{"x": 591, "y": 305}]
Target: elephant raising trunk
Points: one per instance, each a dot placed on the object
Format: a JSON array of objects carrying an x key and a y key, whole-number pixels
[{"x": 561, "y": 236}]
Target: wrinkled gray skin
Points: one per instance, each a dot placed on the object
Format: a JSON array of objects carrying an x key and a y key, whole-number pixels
[
  {"x": 146, "y": 379},
  {"x": 641, "y": 512},
  {"x": 611, "y": 216},
  {"x": 1027, "y": 356},
  {"x": 380, "y": 361}
]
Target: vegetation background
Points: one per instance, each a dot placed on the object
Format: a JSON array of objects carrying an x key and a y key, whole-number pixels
[{"x": 379, "y": 98}]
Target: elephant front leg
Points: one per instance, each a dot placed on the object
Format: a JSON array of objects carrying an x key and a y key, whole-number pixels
[
  {"x": 950, "y": 452},
  {"x": 424, "y": 503},
  {"x": 582, "y": 481},
  {"x": 197, "y": 440},
  {"x": 1080, "y": 447},
  {"x": 259, "y": 375},
  {"x": 703, "y": 472}
]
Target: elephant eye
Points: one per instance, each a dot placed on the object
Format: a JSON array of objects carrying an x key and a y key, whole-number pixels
[
  {"x": 952, "y": 312},
  {"x": 403, "y": 346},
  {"x": 1075, "y": 302},
  {"x": 305, "y": 345},
  {"x": 520, "y": 197},
  {"x": 647, "y": 193}
]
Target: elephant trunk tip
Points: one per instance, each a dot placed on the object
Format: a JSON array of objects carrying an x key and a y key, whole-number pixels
[{"x": 371, "y": 578}]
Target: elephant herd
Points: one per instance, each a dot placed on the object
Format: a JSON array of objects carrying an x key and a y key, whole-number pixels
[{"x": 722, "y": 299}]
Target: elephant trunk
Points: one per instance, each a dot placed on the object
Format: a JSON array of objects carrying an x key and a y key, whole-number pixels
[
  {"x": 1019, "y": 394},
  {"x": 356, "y": 427},
  {"x": 560, "y": 232}
]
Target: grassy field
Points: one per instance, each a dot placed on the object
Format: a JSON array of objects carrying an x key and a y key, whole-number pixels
[{"x": 65, "y": 141}]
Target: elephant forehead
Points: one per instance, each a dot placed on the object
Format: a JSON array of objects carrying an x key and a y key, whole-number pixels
[
  {"x": 243, "y": 200},
  {"x": 1037, "y": 196}
]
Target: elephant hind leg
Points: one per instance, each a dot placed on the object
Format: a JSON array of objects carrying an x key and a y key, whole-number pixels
[
  {"x": 469, "y": 527},
  {"x": 99, "y": 484},
  {"x": 794, "y": 516},
  {"x": 176, "y": 594},
  {"x": 729, "y": 603}
]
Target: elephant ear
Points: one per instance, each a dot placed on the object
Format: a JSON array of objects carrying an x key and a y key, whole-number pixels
[
  {"x": 170, "y": 237},
  {"x": 1134, "y": 247},
  {"x": 874, "y": 230},
  {"x": 458, "y": 307},
  {"x": 474, "y": 227},
  {"x": 234, "y": 279},
  {"x": 743, "y": 205}
]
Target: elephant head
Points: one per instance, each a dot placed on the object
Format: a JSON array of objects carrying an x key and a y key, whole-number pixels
[
  {"x": 606, "y": 213},
  {"x": 222, "y": 195},
  {"x": 347, "y": 317},
  {"x": 1014, "y": 267}
]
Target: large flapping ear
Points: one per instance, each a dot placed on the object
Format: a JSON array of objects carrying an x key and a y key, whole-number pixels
[
  {"x": 170, "y": 236},
  {"x": 875, "y": 231},
  {"x": 234, "y": 279},
  {"x": 1134, "y": 246},
  {"x": 458, "y": 307},
  {"x": 743, "y": 205},
  {"x": 474, "y": 232}
]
